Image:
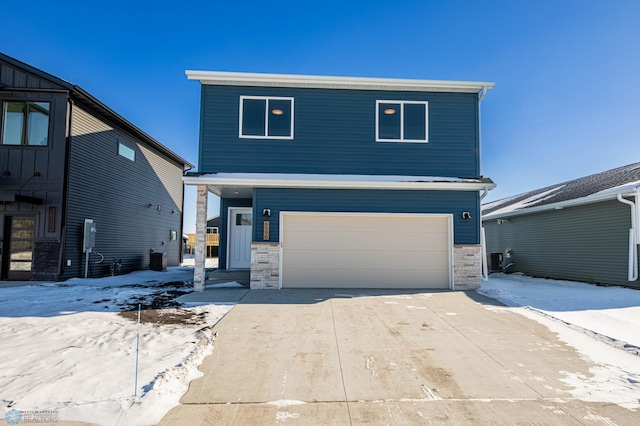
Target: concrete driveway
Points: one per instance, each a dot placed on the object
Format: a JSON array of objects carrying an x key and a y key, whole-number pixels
[{"x": 344, "y": 357}]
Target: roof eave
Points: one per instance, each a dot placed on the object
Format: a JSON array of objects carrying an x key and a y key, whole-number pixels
[
  {"x": 593, "y": 198},
  {"x": 85, "y": 97},
  {"x": 215, "y": 182},
  {"x": 334, "y": 82}
]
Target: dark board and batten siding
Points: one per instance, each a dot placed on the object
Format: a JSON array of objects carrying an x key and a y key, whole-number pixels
[
  {"x": 584, "y": 243},
  {"x": 116, "y": 193},
  {"x": 369, "y": 201},
  {"x": 35, "y": 171},
  {"x": 334, "y": 133}
]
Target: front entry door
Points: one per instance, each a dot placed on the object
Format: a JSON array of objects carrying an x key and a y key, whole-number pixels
[
  {"x": 18, "y": 260},
  {"x": 240, "y": 225}
]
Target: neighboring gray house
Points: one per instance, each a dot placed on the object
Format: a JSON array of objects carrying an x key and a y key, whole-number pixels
[
  {"x": 66, "y": 158},
  {"x": 342, "y": 181},
  {"x": 583, "y": 230}
]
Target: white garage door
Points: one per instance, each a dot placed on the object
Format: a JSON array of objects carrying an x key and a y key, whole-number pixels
[{"x": 366, "y": 250}]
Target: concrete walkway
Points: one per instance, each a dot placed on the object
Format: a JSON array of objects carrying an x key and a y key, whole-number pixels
[{"x": 350, "y": 357}]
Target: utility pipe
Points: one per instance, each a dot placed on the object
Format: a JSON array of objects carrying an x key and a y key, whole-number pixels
[
  {"x": 480, "y": 97},
  {"x": 632, "y": 274}
]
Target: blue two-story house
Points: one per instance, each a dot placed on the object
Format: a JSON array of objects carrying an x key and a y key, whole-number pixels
[{"x": 342, "y": 181}]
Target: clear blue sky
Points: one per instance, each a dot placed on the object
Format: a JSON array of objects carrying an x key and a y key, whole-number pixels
[{"x": 567, "y": 72}]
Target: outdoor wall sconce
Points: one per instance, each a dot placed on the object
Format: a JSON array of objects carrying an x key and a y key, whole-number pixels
[
  {"x": 466, "y": 215},
  {"x": 266, "y": 212},
  {"x": 501, "y": 221},
  {"x": 157, "y": 206},
  {"x": 173, "y": 211}
]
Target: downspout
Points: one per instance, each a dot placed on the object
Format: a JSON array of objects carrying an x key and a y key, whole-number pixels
[
  {"x": 632, "y": 274},
  {"x": 483, "y": 245},
  {"x": 62, "y": 252},
  {"x": 480, "y": 97}
]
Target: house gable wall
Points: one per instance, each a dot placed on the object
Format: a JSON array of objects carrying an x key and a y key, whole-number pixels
[
  {"x": 583, "y": 243},
  {"x": 122, "y": 197},
  {"x": 334, "y": 132}
]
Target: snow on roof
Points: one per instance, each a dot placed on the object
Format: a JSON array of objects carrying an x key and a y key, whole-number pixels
[
  {"x": 587, "y": 189},
  {"x": 328, "y": 177},
  {"x": 286, "y": 180}
]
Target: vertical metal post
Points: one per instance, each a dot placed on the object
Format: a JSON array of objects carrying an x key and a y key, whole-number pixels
[{"x": 135, "y": 390}]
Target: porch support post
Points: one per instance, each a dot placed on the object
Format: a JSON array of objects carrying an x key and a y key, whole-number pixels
[{"x": 199, "y": 277}]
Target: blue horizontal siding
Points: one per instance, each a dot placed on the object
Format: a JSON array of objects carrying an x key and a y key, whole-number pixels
[
  {"x": 334, "y": 132},
  {"x": 370, "y": 201}
]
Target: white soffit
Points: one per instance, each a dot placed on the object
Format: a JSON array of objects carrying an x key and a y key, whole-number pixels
[
  {"x": 330, "y": 82},
  {"x": 265, "y": 180}
]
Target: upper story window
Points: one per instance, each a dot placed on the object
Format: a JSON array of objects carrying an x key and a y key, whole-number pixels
[
  {"x": 126, "y": 152},
  {"x": 266, "y": 117},
  {"x": 402, "y": 121},
  {"x": 25, "y": 123}
]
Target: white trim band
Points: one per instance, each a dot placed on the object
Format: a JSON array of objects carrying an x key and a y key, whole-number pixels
[
  {"x": 267, "y": 180},
  {"x": 331, "y": 82}
]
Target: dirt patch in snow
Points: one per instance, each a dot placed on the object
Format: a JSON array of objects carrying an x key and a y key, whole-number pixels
[
  {"x": 165, "y": 316},
  {"x": 161, "y": 307}
]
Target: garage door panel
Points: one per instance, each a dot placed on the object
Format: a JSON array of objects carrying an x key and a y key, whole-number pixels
[
  {"x": 356, "y": 240},
  {"x": 361, "y": 278},
  {"x": 341, "y": 223},
  {"x": 364, "y": 259},
  {"x": 362, "y": 250}
]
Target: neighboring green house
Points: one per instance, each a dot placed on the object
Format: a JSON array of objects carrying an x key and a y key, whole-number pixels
[{"x": 583, "y": 230}]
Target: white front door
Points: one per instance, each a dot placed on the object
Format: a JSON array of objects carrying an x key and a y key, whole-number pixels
[{"x": 239, "y": 246}]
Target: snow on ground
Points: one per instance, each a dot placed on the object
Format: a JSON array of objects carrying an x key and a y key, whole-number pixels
[
  {"x": 70, "y": 348},
  {"x": 602, "y": 323},
  {"x": 611, "y": 312}
]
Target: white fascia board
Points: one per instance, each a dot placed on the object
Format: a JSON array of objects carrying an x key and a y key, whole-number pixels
[
  {"x": 258, "y": 180},
  {"x": 330, "y": 82},
  {"x": 607, "y": 194}
]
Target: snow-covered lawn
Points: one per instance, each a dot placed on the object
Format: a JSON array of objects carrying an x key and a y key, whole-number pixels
[
  {"x": 611, "y": 313},
  {"x": 68, "y": 347},
  {"x": 602, "y": 323}
]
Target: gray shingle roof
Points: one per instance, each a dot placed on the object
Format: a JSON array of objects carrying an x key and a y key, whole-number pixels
[{"x": 573, "y": 189}]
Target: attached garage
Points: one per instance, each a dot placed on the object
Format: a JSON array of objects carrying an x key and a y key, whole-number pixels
[{"x": 366, "y": 250}]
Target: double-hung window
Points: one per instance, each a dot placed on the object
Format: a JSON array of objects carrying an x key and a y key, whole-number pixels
[
  {"x": 402, "y": 121},
  {"x": 25, "y": 123},
  {"x": 266, "y": 117}
]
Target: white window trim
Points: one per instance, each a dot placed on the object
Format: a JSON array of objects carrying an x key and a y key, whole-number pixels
[
  {"x": 266, "y": 122},
  {"x": 402, "y": 104}
]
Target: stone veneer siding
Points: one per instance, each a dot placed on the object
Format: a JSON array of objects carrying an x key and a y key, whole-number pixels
[
  {"x": 265, "y": 265},
  {"x": 45, "y": 260},
  {"x": 467, "y": 269}
]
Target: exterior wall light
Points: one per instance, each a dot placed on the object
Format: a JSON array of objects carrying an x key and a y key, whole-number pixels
[
  {"x": 266, "y": 212},
  {"x": 466, "y": 215}
]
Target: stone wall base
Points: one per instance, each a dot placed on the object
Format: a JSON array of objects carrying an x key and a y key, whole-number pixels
[
  {"x": 265, "y": 266},
  {"x": 45, "y": 260},
  {"x": 467, "y": 267}
]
